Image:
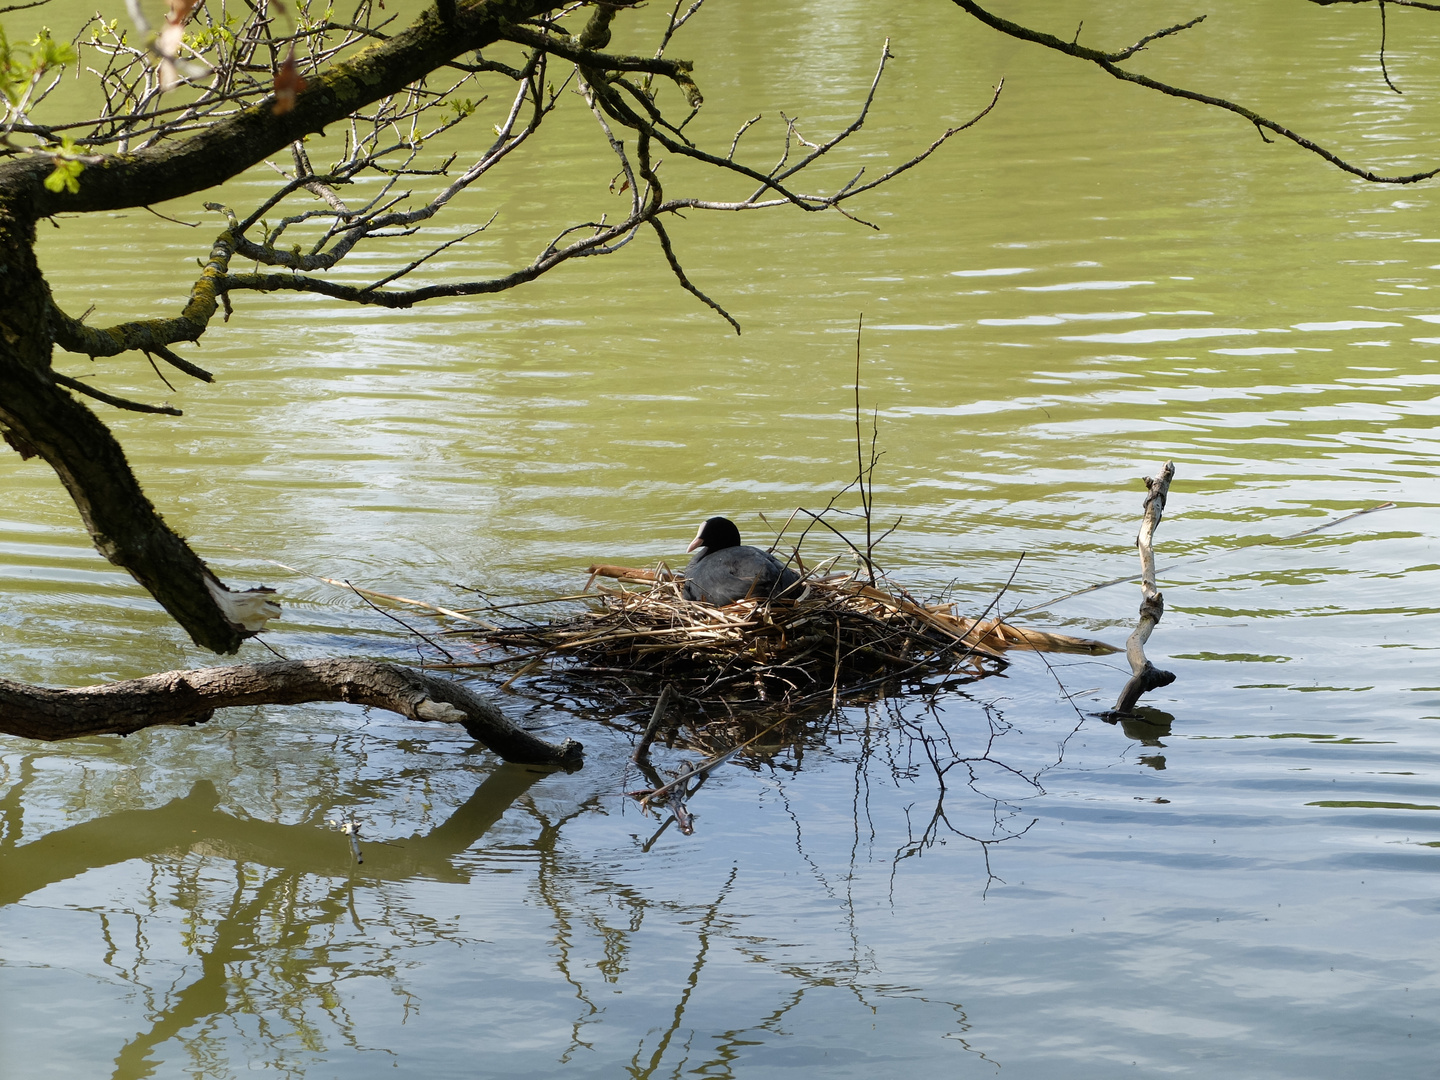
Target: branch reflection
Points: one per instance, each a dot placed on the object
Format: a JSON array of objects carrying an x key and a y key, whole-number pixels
[{"x": 653, "y": 955}]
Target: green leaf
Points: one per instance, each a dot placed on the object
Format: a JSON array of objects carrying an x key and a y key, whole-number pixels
[{"x": 66, "y": 176}]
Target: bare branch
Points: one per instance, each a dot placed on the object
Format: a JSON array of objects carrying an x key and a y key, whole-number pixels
[
  {"x": 1397, "y": 3},
  {"x": 192, "y": 696},
  {"x": 109, "y": 399},
  {"x": 681, "y": 277},
  {"x": 1106, "y": 61},
  {"x": 1125, "y": 54},
  {"x": 676, "y": 70},
  {"x": 1384, "y": 71},
  {"x": 430, "y": 255},
  {"x": 193, "y": 370}
]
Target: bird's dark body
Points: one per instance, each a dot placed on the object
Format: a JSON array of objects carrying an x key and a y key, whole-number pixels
[{"x": 724, "y": 571}]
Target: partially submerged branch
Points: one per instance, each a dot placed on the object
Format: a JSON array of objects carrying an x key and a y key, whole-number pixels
[
  {"x": 1146, "y": 676},
  {"x": 191, "y": 697}
]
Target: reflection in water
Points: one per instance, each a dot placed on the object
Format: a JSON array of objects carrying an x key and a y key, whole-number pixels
[
  {"x": 282, "y": 929},
  {"x": 1146, "y": 726},
  {"x": 261, "y": 948}
]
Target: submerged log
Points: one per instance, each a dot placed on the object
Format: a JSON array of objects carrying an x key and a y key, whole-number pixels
[
  {"x": 1145, "y": 675},
  {"x": 191, "y": 697}
]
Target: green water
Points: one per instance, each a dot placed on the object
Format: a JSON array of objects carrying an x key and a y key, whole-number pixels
[{"x": 1090, "y": 282}]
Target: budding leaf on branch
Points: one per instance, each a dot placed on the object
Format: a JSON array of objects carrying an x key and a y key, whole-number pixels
[
  {"x": 20, "y": 65},
  {"x": 66, "y": 176}
]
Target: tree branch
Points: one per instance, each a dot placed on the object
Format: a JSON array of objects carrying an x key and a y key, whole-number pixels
[
  {"x": 122, "y": 522},
  {"x": 379, "y": 94},
  {"x": 676, "y": 70},
  {"x": 1107, "y": 62},
  {"x": 191, "y": 697},
  {"x": 228, "y": 146},
  {"x": 110, "y": 399}
]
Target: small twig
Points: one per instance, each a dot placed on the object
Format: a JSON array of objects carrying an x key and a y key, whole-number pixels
[
  {"x": 1107, "y": 62},
  {"x": 865, "y": 496},
  {"x": 167, "y": 217},
  {"x": 155, "y": 367},
  {"x": 193, "y": 370},
  {"x": 1383, "y": 70},
  {"x": 684, "y": 279},
  {"x": 396, "y": 599},
  {"x": 110, "y": 399},
  {"x": 391, "y": 615}
]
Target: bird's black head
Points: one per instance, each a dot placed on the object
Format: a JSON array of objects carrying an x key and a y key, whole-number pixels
[{"x": 716, "y": 534}]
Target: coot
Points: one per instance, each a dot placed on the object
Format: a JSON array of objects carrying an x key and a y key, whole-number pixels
[{"x": 723, "y": 570}]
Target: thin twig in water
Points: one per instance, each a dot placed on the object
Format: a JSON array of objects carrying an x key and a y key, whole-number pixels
[{"x": 390, "y": 615}]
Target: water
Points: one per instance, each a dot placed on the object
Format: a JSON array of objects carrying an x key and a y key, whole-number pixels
[{"x": 1090, "y": 282}]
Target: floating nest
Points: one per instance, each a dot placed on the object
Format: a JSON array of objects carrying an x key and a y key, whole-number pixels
[{"x": 842, "y": 637}]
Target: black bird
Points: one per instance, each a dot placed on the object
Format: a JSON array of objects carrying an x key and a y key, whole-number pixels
[{"x": 723, "y": 570}]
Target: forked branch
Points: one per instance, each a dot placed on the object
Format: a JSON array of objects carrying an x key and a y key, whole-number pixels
[{"x": 1109, "y": 63}]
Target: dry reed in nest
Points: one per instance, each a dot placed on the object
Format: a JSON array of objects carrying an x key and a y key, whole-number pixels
[{"x": 841, "y": 637}]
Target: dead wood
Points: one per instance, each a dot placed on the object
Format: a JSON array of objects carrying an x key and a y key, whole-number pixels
[
  {"x": 191, "y": 697},
  {"x": 987, "y": 633},
  {"x": 840, "y": 637},
  {"x": 1146, "y": 676}
]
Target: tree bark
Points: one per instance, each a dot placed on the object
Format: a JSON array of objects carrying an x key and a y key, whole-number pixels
[
  {"x": 191, "y": 697},
  {"x": 42, "y": 418}
]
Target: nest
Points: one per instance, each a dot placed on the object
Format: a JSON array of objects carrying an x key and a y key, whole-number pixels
[{"x": 840, "y": 638}]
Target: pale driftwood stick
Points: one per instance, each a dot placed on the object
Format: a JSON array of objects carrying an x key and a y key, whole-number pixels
[
  {"x": 191, "y": 697},
  {"x": 1146, "y": 676},
  {"x": 642, "y": 751}
]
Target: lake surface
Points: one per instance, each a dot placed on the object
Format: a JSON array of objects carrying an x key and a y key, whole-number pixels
[{"x": 1241, "y": 882}]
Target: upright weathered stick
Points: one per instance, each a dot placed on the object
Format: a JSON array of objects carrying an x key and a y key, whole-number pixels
[{"x": 1146, "y": 676}]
